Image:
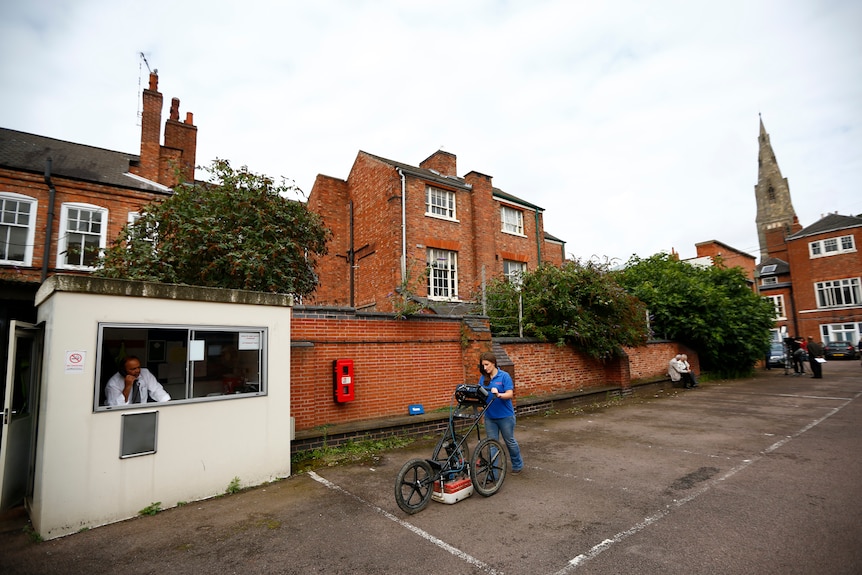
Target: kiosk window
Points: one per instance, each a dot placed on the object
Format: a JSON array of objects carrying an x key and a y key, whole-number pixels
[{"x": 191, "y": 363}]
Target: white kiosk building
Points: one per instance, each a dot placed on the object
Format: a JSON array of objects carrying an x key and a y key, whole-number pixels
[{"x": 222, "y": 355}]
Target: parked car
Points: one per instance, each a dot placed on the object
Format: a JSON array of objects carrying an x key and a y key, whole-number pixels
[
  {"x": 840, "y": 350},
  {"x": 776, "y": 356}
]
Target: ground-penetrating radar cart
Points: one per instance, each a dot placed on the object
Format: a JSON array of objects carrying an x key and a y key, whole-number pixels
[{"x": 445, "y": 475}]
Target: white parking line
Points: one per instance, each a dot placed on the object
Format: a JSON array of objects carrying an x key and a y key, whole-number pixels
[
  {"x": 599, "y": 548},
  {"x": 421, "y": 533}
]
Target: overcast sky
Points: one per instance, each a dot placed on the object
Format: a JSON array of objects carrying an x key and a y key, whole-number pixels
[{"x": 633, "y": 124}]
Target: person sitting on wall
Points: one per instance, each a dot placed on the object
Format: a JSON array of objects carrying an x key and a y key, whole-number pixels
[
  {"x": 678, "y": 370},
  {"x": 674, "y": 369},
  {"x": 688, "y": 376},
  {"x": 134, "y": 384}
]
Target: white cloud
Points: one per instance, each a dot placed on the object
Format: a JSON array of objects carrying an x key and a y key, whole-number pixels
[{"x": 633, "y": 124}]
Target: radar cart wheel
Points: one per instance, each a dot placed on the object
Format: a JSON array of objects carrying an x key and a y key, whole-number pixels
[
  {"x": 414, "y": 486},
  {"x": 488, "y": 467}
]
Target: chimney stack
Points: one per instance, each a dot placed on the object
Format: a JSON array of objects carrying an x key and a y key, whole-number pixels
[
  {"x": 442, "y": 162},
  {"x": 160, "y": 163}
]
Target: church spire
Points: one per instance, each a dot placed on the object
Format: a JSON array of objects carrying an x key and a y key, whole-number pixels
[{"x": 772, "y": 192}]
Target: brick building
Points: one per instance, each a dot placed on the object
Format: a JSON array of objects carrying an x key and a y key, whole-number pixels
[
  {"x": 712, "y": 252},
  {"x": 63, "y": 202},
  {"x": 817, "y": 288},
  {"x": 425, "y": 229},
  {"x": 811, "y": 274}
]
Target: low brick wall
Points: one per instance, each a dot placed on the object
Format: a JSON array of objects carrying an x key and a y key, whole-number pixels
[{"x": 420, "y": 360}]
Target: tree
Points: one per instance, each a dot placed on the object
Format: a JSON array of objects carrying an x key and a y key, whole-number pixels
[
  {"x": 579, "y": 304},
  {"x": 711, "y": 309},
  {"x": 237, "y": 231}
]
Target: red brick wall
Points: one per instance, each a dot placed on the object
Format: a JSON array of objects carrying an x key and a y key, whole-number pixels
[
  {"x": 376, "y": 192},
  {"x": 375, "y": 188},
  {"x": 546, "y": 368},
  {"x": 118, "y": 201},
  {"x": 651, "y": 360},
  {"x": 807, "y": 271},
  {"x": 518, "y": 248},
  {"x": 421, "y": 360},
  {"x": 730, "y": 257},
  {"x": 396, "y": 363},
  {"x": 553, "y": 253},
  {"x": 330, "y": 200}
]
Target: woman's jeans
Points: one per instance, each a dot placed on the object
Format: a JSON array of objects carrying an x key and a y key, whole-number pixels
[{"x": 505, "y": 426}]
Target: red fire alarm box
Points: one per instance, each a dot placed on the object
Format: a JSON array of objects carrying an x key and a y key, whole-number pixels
[{"x": 343, "y": 380}]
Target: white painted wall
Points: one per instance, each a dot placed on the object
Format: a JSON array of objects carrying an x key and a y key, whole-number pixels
[{"x": 80, "y": 480}]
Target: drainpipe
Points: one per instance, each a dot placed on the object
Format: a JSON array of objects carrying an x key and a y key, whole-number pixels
[
  {"x": 46, "y": 254},
  {"x": 403, "y": 225},
  {"x": 538, "y": 239},
  {"x": 351, "y": 255}
]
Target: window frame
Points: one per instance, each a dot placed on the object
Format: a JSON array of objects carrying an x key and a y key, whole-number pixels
[
  {"x": 517, "y": 227},
  {"x": 836, "y": 332},
  {"x": 830, "y": 291},
  {"x": 63, "y": 240},
  {"x": 448, "y": 209},
  {"x": 442, "y": 278},
  {"x": 778, "y": 304},
  {"x": 33, "y": 204},
  {"x": 838, "y": 244},
  {"x": 514, "y": 276},
  {"x": 195, "y": 371}
]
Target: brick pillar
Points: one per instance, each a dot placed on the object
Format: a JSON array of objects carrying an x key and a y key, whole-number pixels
[
  {"x": 151, "y": 120},
  {"x": 618, "y": 372},
  {"x": 182, "y": 137},
  {"x": 486, "y": 221},
  {"x": 442, "y": 162}
]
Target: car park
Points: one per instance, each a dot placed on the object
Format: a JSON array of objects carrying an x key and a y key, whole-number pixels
[{"x": 840, "y": 350}]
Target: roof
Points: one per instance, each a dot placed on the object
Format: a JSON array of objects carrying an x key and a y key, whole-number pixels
[
  {"x": 781, "y": 267},
  {"x": 501, "y": 195},
  {"x": 29, "y": 152},
  {"x": 432, "y": 175},
  {"x": 828, "y": 223},
  {"x": 725, "y": 246},
  {"x": 435, "y": 176}
]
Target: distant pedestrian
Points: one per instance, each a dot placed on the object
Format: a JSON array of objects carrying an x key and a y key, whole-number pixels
[
  {"x": 815, "y": 356},
  {"x": 798, "y": 356}
]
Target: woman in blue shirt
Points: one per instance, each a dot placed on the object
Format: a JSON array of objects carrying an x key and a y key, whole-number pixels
[{"x": 500, "y": 415}]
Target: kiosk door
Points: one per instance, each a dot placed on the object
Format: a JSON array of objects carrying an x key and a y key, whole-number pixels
[{"x": 18, "y": 430}]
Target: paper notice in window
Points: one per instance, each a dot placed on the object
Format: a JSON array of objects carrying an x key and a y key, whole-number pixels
[{"x": 249, "y": 340}]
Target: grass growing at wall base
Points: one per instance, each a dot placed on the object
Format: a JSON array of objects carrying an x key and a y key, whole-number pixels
[{"x": 362, "y": 451}]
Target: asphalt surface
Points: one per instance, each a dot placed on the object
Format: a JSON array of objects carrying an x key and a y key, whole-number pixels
[{"x": 759, "y": 476}]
